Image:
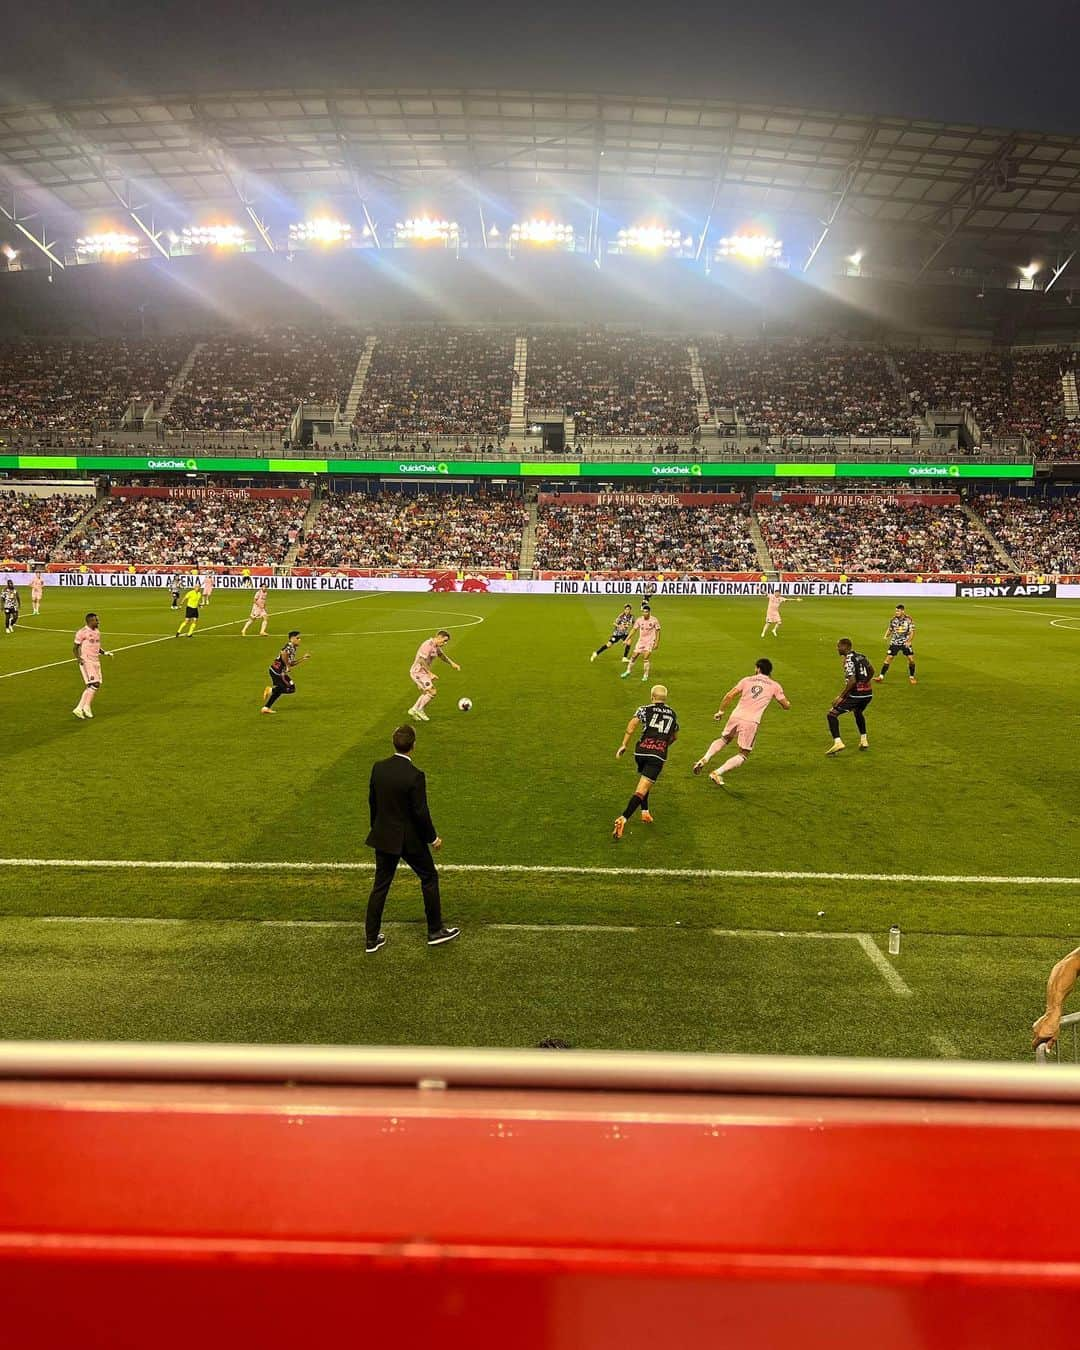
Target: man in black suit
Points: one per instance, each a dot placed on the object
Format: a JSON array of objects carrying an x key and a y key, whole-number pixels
[{"x": 401, "y": 827}]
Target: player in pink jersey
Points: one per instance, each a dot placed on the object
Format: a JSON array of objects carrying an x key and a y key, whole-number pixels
[
  {"x": 37, "y": 585},
  {"x": 258, "y": 611},
  {"x": 88, "y": 653},
  {"x": 755, "y": 693},
  {"x": 423, "y": 676},
  {"x": 648, "y": 639},
  {"x": 772, "y": 611},
  {"x": 207, "y": 583}
]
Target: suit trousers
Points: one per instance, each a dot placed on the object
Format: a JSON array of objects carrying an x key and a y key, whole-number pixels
[{"x": 423, "y": 864}]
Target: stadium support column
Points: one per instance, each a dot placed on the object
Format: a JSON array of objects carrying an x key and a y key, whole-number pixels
[{"x": 20, "y": 223}]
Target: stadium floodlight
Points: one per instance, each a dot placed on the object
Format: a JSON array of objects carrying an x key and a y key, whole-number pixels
[
  {"x": 322, "y": 230},
  {"x": 1029, "y": 272},
  {"x": 426, "y": 230},
  {"x": 213, "y": 236},
  {"x": 540, "y": 233},
  {"x": 750, "y": 248},
  {"x": 856, "y": 258},
  {"x": 107, "y": 244},
  {"x": 655, "y": 239},
  {"x": 10, "y": 253}
]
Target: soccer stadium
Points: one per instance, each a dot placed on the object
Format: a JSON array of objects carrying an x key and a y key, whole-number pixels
[{"x": 548, "y": 439}]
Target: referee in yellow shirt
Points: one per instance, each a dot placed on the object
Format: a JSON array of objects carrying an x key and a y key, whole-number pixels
[{"x": 192, "y": 600}]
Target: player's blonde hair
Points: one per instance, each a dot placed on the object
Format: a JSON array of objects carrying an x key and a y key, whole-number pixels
[{"x": 658, "y": 693}]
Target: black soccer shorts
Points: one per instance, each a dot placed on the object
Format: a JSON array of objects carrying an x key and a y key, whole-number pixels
[
  {"x": 900, "y": 649},
  {"x": 649, "y": 766},
  {"x": 190, "y": 613},
  {"x": 854, "y": 702}
]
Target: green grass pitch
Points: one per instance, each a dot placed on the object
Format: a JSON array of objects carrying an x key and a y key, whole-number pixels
[{"x": 972, "y": 773}]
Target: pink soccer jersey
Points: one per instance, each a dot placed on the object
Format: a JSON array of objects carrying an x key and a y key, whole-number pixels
[
  {"x": 36, "y": 587},
  {"x": 648, "y": 633},
  {"x": 207, "y": 585},
  {"x": 89, "y": 640},
  {"x": 425, "y": 654},
  {"x": 772, "y": 614},
  {"x": 756, "y": 692},
  {"x": 258, "y": 604}
]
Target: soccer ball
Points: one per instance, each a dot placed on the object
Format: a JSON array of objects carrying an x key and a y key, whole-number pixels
[{"x": 464, "y": 704}]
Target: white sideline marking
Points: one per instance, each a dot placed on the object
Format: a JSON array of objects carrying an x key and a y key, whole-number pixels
[
  {"x": 562, "y": 927},
  {"x": 169, "y": 637},
  {"x": 886, "y": 969},
  {"x": 865, "y": 941},
  {"x": 711, "y": 873},
  {"x": 1071, "y": 624}
]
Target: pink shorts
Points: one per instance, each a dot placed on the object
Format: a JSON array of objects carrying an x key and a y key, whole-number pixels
[
  {"x": 258, "y": 611},
  {"x": 742, "y": 732},
  {"x": 644, "y": 649},
  {"x": 422, "y": 679},
  {"x": 91, "y": 671}
]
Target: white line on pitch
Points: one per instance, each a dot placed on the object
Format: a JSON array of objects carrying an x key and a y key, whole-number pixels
[
  {"x": 168, "y": 637},
  {"x": 886, "y": 970},
  {"x": 528, "y": 869},
  {"x": 865, "y": 941}
]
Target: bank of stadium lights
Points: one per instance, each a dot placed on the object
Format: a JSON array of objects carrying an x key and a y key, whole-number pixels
[
  {"x": 193, "y": 237},
  {"x": 542, "y": 234},
  {"x": 320, "y": 231},
  {"x": 654, "y": 239},
  {"x": 427, "y": 230},
  {"x": 108, "y": 244},
  {"x": 755, "y": 249}
]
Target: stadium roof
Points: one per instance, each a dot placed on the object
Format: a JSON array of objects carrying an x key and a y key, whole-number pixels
[{"x": 927, "y": 193}]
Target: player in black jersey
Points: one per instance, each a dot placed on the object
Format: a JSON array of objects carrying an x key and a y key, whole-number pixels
[
  {"x": 855, "y": 697},
  {"x": 281, "y": 680},
  {"x": 174, "y": 590},
  {"x": 900, "y": 635},
  {"x": 659, "y": 730},
  {"x": 620, "y": 632}
]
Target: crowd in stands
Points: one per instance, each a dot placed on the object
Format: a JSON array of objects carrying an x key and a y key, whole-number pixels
[
  {"x": 439, "y": 382},
  {"x": 429, "y": 530},
  {"x": 1007, "y": 393},
  {"x": 612, "y": 384},
  {"x": 70, "y": 387},
  {"x": 875, "y": 535},
  {"x": 644, "y": 536},
  {"x": 1039, "y": 536},
  {"x": 256, "y": 381},
  {"x": 809, "y": 387},
  {"x": 189, "y": 533},
  {"x": 31, "y": 527}
]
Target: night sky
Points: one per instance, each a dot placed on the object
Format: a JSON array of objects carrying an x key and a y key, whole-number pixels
[{"x": 991, "y": 61}]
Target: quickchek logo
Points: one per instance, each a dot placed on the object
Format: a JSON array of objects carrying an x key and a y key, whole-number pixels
[
  {"x": 171, "y": 464},
  {"x": 423, "y": 468},
  {"x": 677, "y": 470},
  {"x": 933, "y": 471}
]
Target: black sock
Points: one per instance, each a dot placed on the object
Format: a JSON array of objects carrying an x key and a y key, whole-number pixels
[
  {"x": 632, "y": 806},
  {"x": 884, "y": 669},
  {"x": 645, "y": 802},
  {"x": 834, "y": 726},
  {"x": 602, "y": 649},
  {"x": 275, "y": 694},
  {"x": 626, "y": 650},
  {"x": 911, "y": 667},
  {"x": 860, "y": 721}
]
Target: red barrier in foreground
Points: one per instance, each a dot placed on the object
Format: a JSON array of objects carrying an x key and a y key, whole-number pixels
[{"x": 589, "y": 1201}]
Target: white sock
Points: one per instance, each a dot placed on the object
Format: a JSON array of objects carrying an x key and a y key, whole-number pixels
[{"x": 734, "y": 762}]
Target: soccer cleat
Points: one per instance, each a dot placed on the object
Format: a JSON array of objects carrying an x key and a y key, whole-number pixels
[
  {"x": 419, "y": 714},
  {"x": 623, "y": 674},
  {"x": 592, "y": 656},
  {"x": 644, "y": 678},
  {"x": 647, "y": 817},
  {"x": 88, "y": 714},
  {"x": 835, "y": 748},
  {"x": 620, "y": 825},
  {"x": 371, "y": 947},
  {"x": 268, "y": 710},
  {"x": 864, "y": 744},
  {"x": 912, "y": 680},
  {"x": 715, "y": 778},
  {"x": 695, "y": 769},
  {"x": 78, "y": 712},
  {"x": 443, "y": 935},
  {"x": 879, "y": 679}
]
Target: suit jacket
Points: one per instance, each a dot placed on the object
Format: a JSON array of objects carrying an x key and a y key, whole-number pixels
[{"x": 397, "y": 798}]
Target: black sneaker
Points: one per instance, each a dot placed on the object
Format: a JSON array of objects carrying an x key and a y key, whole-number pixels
[
  {"x": 380, "y": 941},
  {"x": 443, "y": 935}
]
